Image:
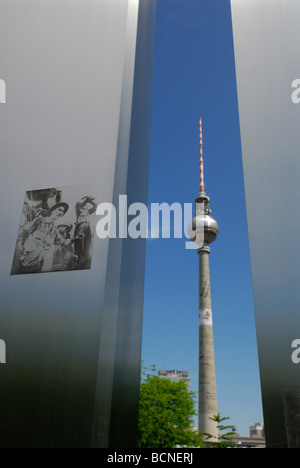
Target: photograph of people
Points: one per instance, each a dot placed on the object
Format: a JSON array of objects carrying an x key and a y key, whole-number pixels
[{"x": 45, "y": 242}]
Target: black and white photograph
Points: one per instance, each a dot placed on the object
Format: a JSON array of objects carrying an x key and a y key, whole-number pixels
[{"x": 56, "y": 231}]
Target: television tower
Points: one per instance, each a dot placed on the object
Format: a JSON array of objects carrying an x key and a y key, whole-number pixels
[{"x": 204, "y": 230}]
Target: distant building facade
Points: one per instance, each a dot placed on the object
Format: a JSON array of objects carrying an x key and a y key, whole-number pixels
[
  {"x": 256, "y": 439},
  {"x": 175, "y": 376},
  {"x": 258, "y": 430}
]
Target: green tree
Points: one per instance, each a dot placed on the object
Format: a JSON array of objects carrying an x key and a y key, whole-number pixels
[
  {"x": 166, "y": 414},
  {"x": 225, "y": 439}
]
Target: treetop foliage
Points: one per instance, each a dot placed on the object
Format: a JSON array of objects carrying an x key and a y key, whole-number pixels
[{"x": 166, "y": 414}]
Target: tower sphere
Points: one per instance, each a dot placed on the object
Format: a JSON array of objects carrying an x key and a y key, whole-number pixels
[{"x": 206, "y": 223}]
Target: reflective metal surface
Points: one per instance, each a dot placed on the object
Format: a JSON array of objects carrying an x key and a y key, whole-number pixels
[
  {"x": 267, "y": 50},
  {"x": 204, "y": 224},
  {"x": 71, "y": 120}
]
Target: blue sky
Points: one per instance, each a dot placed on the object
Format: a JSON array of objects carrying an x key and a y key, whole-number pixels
[{"x": 194, "y": 74}]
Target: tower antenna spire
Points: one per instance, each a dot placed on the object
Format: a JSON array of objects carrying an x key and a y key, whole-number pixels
[{"x": 201, "y": 157}]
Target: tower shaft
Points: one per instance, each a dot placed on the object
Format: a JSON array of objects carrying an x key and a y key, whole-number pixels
[
  {"x": 204, "y": 230},
  {"x": 208, "y": 405}
]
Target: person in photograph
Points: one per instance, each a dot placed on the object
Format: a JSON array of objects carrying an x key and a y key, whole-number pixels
[
  {"x": 40, "y": 234},
  {"x": 64, "y": 255},
  {"x": 83, "y": 233},
  {"x": 39, "y": 200}
]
